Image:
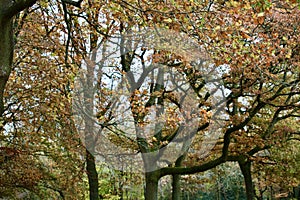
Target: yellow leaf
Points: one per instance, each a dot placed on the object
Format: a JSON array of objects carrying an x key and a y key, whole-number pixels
[
  {"x": 154, "y": 139},
  {"x": 169, "y": 20},
  {"x": 261, "y": 14}
]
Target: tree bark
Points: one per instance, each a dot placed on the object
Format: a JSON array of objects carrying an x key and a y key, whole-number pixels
[
  {"x": 245, "y": 167},
  {"x": 176, "y": 180},
  {"x": 176, "y": 187},
  {"x": 92, "y": 176},
  {"x": 8, "y": 9},
  {"x": 151, "y": 189},
  {"x": 6, "y": 55}
]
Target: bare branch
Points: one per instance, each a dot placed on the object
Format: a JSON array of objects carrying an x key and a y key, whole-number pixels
[{"x": 73, "y": 3}]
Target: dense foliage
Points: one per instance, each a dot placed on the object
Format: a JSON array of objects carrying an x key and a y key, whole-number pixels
[{"x": 124, "y": 99}]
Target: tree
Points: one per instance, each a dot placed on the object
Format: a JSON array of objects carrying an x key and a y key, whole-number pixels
[
  {"x": 240, "y": 66},
  {"x": 280, "y": 106},
  {"x": 37, "y": 142},
  {"x": 8, "y": 10},
  {"x": 37, "y": 126},
  {"x": 253, "y": 84}
]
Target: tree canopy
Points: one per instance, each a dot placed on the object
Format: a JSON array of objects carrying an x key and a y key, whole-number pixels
[{"x": 147, "y": 89}]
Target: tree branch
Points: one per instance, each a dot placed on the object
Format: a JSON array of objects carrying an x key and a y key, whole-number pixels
[
  {"x": 73, "y": 3},
  {"x": 16, "y": 7},
  {"x": 191, "y": 170}
]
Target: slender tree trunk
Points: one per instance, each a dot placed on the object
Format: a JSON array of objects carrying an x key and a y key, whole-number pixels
[
  {"x": 246, "y": 171},
  {"x": 92, "y": 176},
  {"x": 176, "y": 187},
  {"x": 151, "y": 189},
  {"x": 176, "y": 192},
  {"x": 90, "y": 131}
]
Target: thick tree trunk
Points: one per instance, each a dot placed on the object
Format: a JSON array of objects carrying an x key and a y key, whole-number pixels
[
  {"x": 246, "y": 171},
  {"x": 92, "y": 176},
  {"x": 151, "y": 189},
  {"x": 8, "y": 9},
  {"x": 6, "y": 55}
]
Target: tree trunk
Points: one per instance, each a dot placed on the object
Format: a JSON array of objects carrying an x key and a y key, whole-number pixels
[
  {"x": 90, "y": 132},
  {"x": 92, "y": 176},
  {"x": 7, "y": 12},
  {"x": 176, "y": 187},
  {"x": 246, "y": 171},
  {"x": 151, "y": 189},
  {"x": 176, "y": 179},
  {"x": 6, "y": 55}
]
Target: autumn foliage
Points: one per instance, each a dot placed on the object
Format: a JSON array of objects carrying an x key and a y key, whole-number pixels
[{"x": 157, "y": 87}]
